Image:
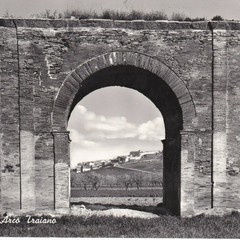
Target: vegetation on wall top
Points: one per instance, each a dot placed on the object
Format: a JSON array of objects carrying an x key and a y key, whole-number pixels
[{"x": 116, "y": 15}]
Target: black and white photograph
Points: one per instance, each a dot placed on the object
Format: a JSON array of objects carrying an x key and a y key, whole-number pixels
[{"x": 120, "y": 118}]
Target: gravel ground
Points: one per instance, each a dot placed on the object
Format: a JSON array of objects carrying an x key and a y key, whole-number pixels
[{"x": 82, "y": 211}]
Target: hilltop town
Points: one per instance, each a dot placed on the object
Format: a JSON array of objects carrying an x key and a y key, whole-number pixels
[{"x": 131, "y": 157}]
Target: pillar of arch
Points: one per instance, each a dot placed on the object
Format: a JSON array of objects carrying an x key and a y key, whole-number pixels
[{"x": 169, "y": 94}]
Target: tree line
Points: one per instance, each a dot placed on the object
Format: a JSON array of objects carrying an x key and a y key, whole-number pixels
[{"x": 93, "y": 181}]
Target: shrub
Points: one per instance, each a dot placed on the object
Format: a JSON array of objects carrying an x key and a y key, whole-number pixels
[
  {"x": 217, "y": 18},
  {"x": 178, "y": 17},
  {"x": 135, "y": 15},
  {"x": 106, "y": 14},
  {"x": 80, "y": 14},
  {"x": 197, "y": 19},
  {"x": 48, "y": 14},
  {"x": 156, "y": 15},
  {"x": 7, "y": 15}
]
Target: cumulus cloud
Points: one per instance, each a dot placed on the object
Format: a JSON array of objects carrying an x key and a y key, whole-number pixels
[
  {"x": 111, "y": 126},
  {"x": 99, "y": 127},
  {"x": 152, "y": 130},
  {"x": 80, "y": 139},
  {"x": 99, "y": 137}
]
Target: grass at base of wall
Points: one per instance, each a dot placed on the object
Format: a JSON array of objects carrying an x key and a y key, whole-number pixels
[{"x": 165, "y": 226}]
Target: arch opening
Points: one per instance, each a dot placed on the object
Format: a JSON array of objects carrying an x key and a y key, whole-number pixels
[
  {"x": 149, "y": 77},
  {"x": 116, "y": 135},
  {"x": 161, "y": 95}
]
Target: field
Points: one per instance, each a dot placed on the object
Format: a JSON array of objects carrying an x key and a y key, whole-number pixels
[
  {"x": 118, "y": 192},
  {"x": 132, "y": 183},
  {"x": 113, "y": 227},
  {"x": 117, "y": 201}
]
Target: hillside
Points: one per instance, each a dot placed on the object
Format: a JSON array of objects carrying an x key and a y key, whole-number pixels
[
  {"x": 114, "y": 171},
  {"x": 136, "y": 178},
  {"x": 144, "y": 166},
  {"x": 152, "y": 165}
]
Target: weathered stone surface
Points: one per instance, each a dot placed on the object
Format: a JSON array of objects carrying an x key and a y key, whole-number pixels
[
  {"x": 62, "y": 190},
  {"x": 190, "y": 71},
  {"x": 10, "y": 134},
  {"x": 28, "y": 194},
  {"x": 187, "y": 172},
  {"x": 44, "y": 171}
]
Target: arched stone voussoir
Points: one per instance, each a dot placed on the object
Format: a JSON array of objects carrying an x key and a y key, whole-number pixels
[
  {"x": 96, "y": 64},
  {"x": 83, "y": 71},
  {"x": 69, "y": 89},
  {"x": 130, "y": 58},
  {"x": 75, "y": 76},
  {"x": 114, "y": 59},
  {"x": 184, "y": 98},
  {"x": 74, "y": 81}
]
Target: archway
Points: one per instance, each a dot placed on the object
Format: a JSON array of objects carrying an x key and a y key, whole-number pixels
[
  {"x": 158, "y": 83},
  {"x": 116, "y": 149}
]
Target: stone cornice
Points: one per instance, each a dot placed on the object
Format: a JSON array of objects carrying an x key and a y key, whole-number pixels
[{"x": 134, "y": 25}]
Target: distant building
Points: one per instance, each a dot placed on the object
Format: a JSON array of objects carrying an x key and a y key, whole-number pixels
[
  {"x": 135, "y": 153},
  {"x": 149, "y": 155},
  {"x": 79, "y": 168},
  {"x": 121, "y": 159},
  {"x": 85, "y": 166}
]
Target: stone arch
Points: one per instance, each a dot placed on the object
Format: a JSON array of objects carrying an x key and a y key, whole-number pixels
[
  {"x": 70, "y": 87},
  {"x": 178, "y": 111}
]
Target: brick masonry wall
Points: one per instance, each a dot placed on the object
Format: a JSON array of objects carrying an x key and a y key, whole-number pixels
[
  {"x": 201, "y": 54},
  {"x": 226, "y": 162},
  {"x": 9, "y": 100}
]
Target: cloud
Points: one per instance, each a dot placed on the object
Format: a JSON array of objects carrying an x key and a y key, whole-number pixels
[
  {"x": 80, "y": 139},
  {"x": 113, "y": 124},
  {"x": 98, "y": 127},
  {"x": 96, "y": 137},
  {"x": 152, "y": 130}
]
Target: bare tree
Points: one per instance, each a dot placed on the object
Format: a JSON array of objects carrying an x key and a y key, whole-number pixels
[
  {"x": 126, "y": 181},
  {"x": 84, "y": 183},
  {"x": 138, "y": 179},
  {"x": 94, "y": 180},
  {"x": 109, "y": 180},
  {"x": 156, "y": 180}
]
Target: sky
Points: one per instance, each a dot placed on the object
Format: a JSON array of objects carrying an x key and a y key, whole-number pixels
[
  {"x": 228, "y": 9},
  {"x": 111, "y": 122}
]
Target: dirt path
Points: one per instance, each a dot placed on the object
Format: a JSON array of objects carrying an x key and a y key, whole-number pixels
[
  {"x": 137, "y": 170},
  {"x": 82, "y": 211}
]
